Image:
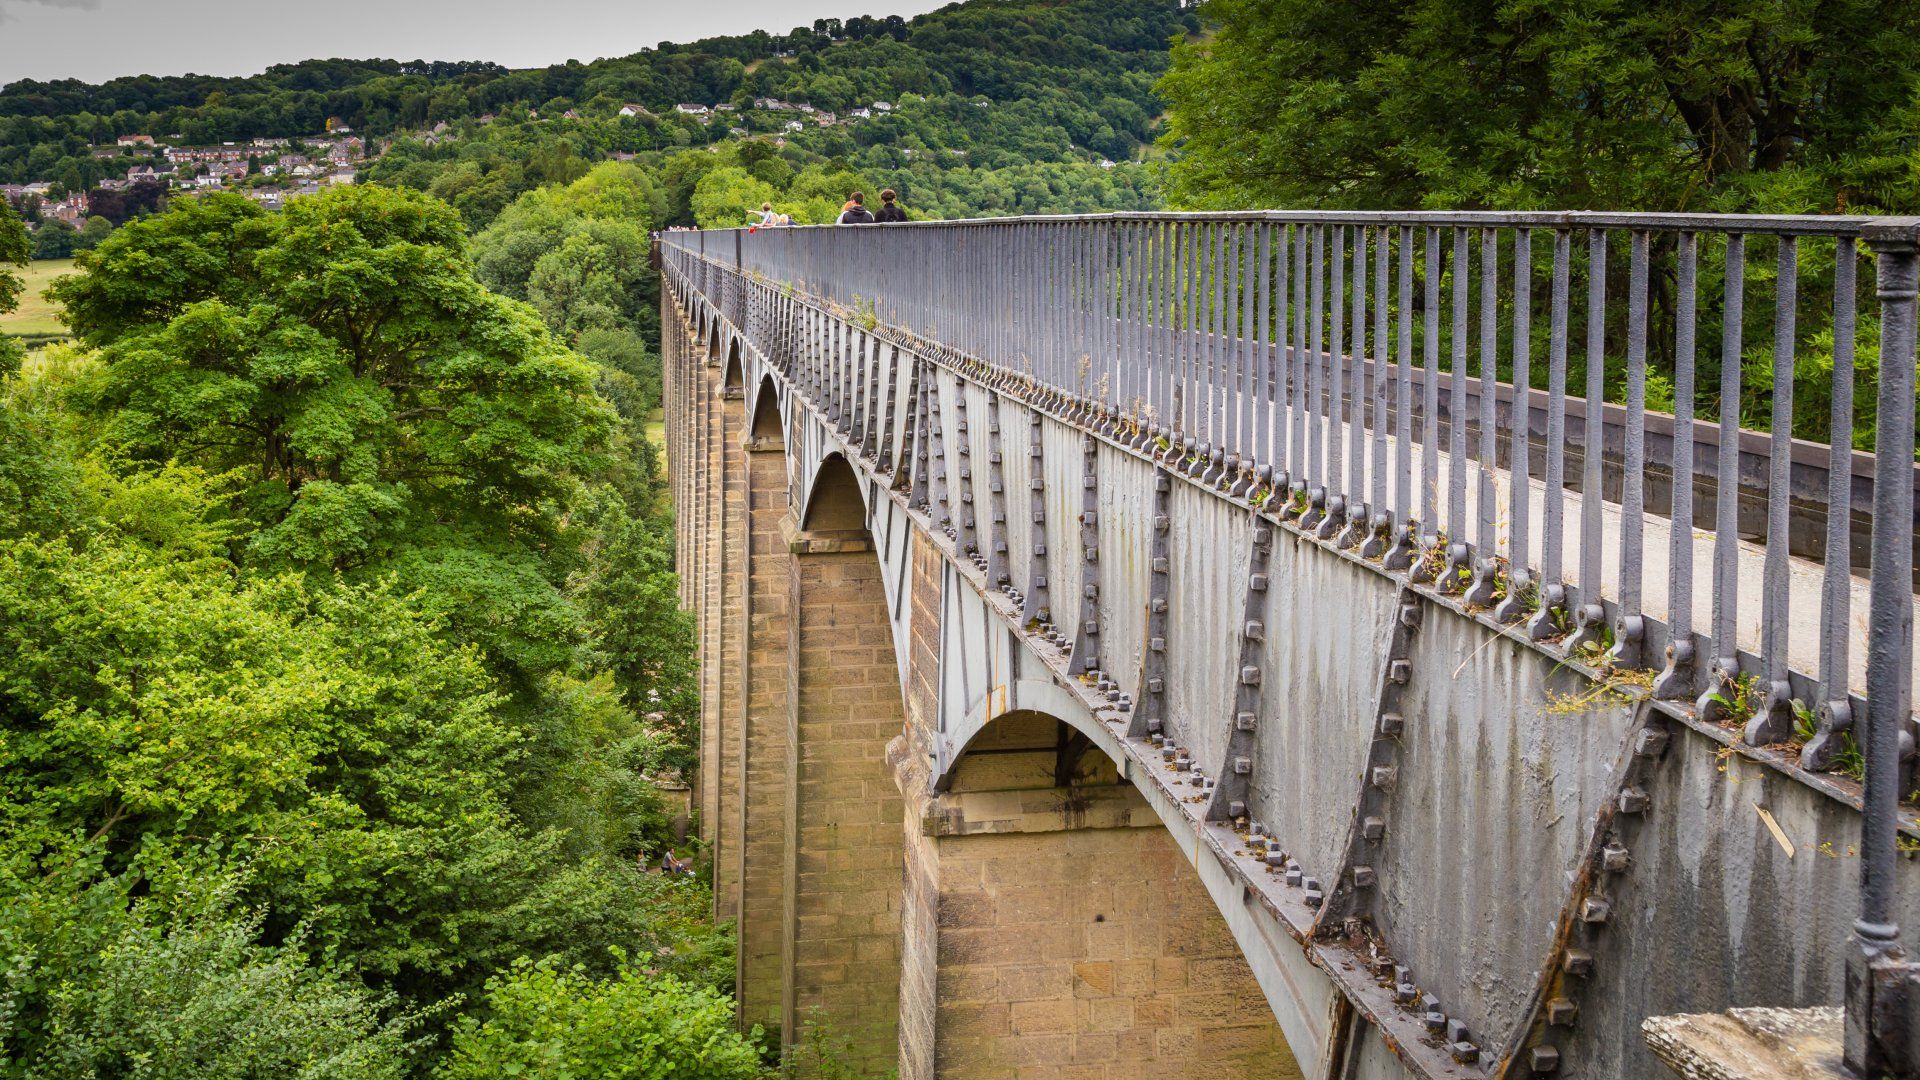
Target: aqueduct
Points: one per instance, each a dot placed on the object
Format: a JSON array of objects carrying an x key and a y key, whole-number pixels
[{"x": 1117, "y": 661}]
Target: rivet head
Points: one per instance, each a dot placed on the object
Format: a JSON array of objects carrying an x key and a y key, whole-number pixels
[
  {"x": 1596, "y": 909},
  {"x": 1243, "y": 765},
  {"x": 1633, "y": 801},
  {"x": 1384, "y": 776},
  {"x": 1560, "y": 1011},
  {"x": 1615, "y": 859},
  {"x": 1373, "y": 828},
  {"x": 1543, "y": 1059},
  {"x": 1392, "y": 724}
]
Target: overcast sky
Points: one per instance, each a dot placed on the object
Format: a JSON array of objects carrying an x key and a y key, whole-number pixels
[{"x": 96, "y": 40}]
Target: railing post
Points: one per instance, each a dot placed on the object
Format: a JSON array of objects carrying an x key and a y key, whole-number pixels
[{"x": 1880, "y": 983}]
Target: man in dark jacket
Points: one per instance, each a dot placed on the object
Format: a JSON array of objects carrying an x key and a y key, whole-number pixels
[
  {"x": 888, "y": 211},
  {"x": 855, "y": 211}
]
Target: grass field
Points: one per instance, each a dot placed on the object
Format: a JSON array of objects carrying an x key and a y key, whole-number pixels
[{"x": 36, "y": 314}]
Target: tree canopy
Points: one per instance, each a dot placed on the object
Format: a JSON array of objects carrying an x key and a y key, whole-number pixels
[
  {"x": 1642, "y": 105},
  {"x": 320, "y": 701}
]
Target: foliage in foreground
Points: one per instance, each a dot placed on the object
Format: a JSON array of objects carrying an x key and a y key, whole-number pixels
[
  {"x": 303, "y": 590},
  {"x": 552, "y": 1022}
]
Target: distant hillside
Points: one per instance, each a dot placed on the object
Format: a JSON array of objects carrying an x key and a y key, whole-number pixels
[{"x": 991, "y": 83}]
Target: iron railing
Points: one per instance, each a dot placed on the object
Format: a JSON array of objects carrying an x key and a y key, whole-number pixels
[{"x": 1399, "y": 384}]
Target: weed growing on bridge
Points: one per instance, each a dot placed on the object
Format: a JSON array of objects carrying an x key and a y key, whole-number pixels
[
  {"x": 1611, "y": 684},
  {"x": 1847, "y": 761},
  {"x": 1740, "y": 699}
]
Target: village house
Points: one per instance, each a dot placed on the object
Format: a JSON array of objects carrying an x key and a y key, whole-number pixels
[
  {"x": 691, "y": 109},
  {"x": 883, "y": 106},
  {"x": 772, "y": 104},
  {"x": 825, "y": 119},
  {"x": 630, "y": 109},
  {"x": 72, "y": 210},
  {"x": 795, "y": 125},
  {"x": 134, "y": 140},
  {"x": 860, "y": 114},
  {"x": 569, "y": 115}
]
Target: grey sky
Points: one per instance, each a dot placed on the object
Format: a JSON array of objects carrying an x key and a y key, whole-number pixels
[{"x": 96, "y": 40}]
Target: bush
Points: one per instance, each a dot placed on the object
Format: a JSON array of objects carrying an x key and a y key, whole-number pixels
[
  {"x": 173, "y": 986},
  {"x": 550, "y": 1022}
]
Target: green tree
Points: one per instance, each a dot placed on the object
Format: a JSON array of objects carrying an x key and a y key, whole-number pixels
[
  {"x": 15, "y": 248},
  {"x": 92, "y": 233},
  {"x": 175, "y": 984},
  {"x": 723, "y": 197},
  {"x": 388, "y": 414},
  {"x": 547, "y": 1021},
  {"x": 1643, "y": 106},
  {"x": 55, "y": 239}
]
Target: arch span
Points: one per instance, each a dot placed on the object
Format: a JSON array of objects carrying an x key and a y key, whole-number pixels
[
  {"x": 835, "y": 504},
  {"x": 734, "y": 379},
  {"x": 768, "y": 418},
  {"x": 1049, "y": 912}
]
